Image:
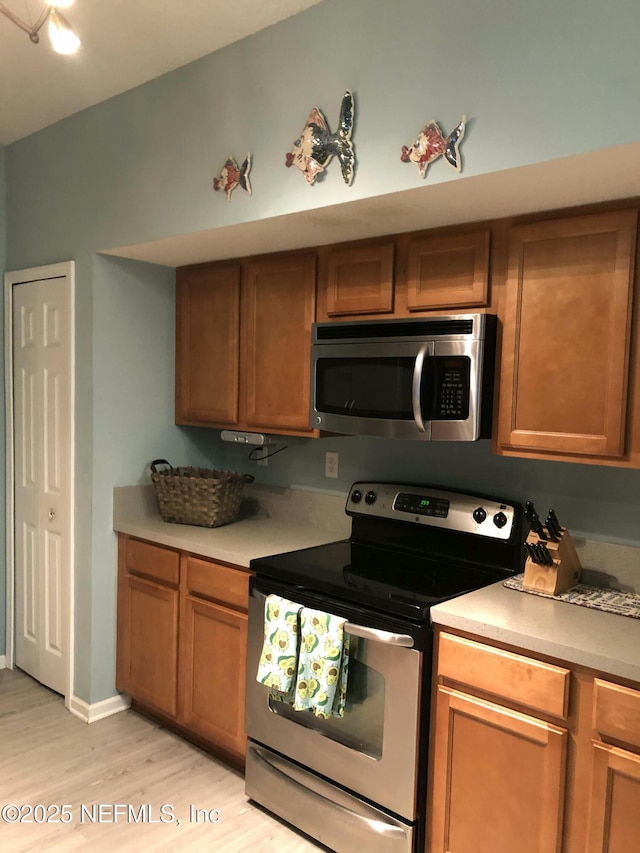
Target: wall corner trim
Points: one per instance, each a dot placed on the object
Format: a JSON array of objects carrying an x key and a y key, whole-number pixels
[{"x": 98, "y": 710}]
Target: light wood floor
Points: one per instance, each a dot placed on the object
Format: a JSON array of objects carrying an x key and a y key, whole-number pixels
[{"x": 49, "y": 757}]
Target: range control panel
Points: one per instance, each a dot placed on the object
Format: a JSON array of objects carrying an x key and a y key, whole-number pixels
[
  {"x": 421, "y": 504},
  {"x": 457, "y": 511}
]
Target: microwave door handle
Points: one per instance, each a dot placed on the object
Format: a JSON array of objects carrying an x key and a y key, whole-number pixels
[{"x": 416, "y": 388}]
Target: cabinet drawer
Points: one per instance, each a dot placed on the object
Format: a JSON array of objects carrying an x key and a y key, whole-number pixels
[
  {"x": 515, "y": 678},
  {"x": 220, "y": 583},
  {"x": 616, "y": 712},
  {"x": 153, "y": 561}
]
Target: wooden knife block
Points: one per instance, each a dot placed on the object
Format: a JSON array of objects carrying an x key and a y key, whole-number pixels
[{"x": 563, "y": 574}]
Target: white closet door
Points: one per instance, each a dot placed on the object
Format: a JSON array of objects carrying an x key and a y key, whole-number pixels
[{"x": 42, "y": 348}]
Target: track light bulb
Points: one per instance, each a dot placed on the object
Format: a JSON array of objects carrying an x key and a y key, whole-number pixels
[{"x": 63, "y": 38}]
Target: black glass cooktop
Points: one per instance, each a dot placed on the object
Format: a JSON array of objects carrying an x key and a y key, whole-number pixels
[{"x": 392, "y": 582}]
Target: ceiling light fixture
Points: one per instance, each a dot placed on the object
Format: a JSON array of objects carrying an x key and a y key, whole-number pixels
[{"x": 63, "y": 38}]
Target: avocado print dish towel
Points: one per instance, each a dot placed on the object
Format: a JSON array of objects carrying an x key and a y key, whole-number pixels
[
  {"x": 305, "y": 657},
  {"x": 323, "y": 664},
  {"x": 279, "y": 658}
]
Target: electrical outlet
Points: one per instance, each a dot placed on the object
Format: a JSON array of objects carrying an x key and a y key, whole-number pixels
[{"x": 331, "y": 465}]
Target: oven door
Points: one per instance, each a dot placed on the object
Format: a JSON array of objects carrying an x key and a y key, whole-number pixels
[{"x": 374, "y": 749}]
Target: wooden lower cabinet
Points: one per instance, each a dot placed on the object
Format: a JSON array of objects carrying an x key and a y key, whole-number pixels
[
  {"x": 150, "y": 634},
  {"x": 147, "y": 651},
  {"x": 614, "y": 812},
  {"x": 530, "y": 755},
  {"x": 499, "y": 778},
  {"x": 614, "y": 822},
  {"x": 213, "y": 656},
  {"x": 182, "y": 636}
]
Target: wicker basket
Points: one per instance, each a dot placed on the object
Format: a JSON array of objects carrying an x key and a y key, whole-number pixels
[{"x": 199, "y": 496}]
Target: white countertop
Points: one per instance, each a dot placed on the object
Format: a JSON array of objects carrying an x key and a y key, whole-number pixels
[
  {"x": 236, "y": 543},
  {"x": 285, "y": 520},
  {"x": 579, "y": 635}
]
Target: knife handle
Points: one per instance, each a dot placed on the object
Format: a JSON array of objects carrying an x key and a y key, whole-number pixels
[
  {"x": 553, "y": 518},
  {"x": 536, "y": 526}
]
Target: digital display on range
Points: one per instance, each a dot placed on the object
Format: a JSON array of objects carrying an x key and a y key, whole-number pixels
[{"x": 421, "y": 505}]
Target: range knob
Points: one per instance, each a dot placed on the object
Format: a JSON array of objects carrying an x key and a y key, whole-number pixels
[
  {"x": 479, "y": 515},
  {"x": 500, "y": 519},
  {"x": 370, "y": 498},
  {"x": 356, "y": 496}
]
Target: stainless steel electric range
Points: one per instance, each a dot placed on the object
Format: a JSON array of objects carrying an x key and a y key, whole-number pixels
[{"x": 359, "y": 782}]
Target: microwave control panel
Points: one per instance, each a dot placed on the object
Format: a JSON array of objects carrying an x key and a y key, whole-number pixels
[{"x": 452, "y": 388}]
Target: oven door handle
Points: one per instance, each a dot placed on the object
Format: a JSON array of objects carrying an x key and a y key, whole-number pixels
[
  {"x": 374, "y": 634},
  {"x": 416, "y": 388},
  {"x": 378, "y": 636}
]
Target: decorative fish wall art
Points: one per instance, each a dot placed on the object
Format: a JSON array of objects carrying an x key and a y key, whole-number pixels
[
  {"x": 316, "y": 146},
  {"x": 431, "y": 144},
  {"x": 233, "y": 176}
]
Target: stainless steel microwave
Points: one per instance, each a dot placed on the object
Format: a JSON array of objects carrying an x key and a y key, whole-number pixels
[{"x": 427, "y": 378}]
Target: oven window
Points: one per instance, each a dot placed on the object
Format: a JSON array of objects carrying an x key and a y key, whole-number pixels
[
  {"x": 365, "y": 387},
  {"x": 362, "y": 726}
]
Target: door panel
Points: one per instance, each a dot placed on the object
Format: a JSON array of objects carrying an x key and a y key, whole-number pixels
[
  {"x": 498, "y": 779},
  {"x": 567, "y": 334},
  {"x": 207, "y": 344},
  {"x": 42, "y": 348},
  {"x": 614, "y": 825},
  {"x": 279, "y": 301}
]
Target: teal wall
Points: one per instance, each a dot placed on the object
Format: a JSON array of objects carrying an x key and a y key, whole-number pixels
[
  {"x": 537, "y": 81},
  {"x": 599, "y": 503}
]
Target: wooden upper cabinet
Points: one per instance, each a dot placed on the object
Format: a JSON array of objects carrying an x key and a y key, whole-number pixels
[
  {"x": 207, "y": 344},
  {"x": 567, "y": 329},
  {"x": 278, "y": 309},
  {"x": 448, "y": 271},
  {"x": 359, "y": 280}
]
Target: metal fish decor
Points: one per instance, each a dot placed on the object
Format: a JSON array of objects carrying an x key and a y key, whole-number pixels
[
  {"x": 233, "y": 176},
  {"x": 316, "y": 145},
  {"x": 431, "y": 144}
]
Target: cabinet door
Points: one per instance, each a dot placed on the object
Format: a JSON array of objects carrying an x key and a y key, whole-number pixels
[
  {"x": 207, "y": 344},
  {"x": 278, "y": 310},
  {"x": 448, "y": 271},
  {"x": 213, "y": 661},
  {"x": 148, "y": 643},
  {"x": 498, "y": 779},
  {"x": 567, "y": 334},
  {"x": 359, "y": 280},
  {"x": 614, "y": 816}
]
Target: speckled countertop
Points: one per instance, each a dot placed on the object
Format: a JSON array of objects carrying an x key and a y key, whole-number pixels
[
  {"x": 579, "y": 635},
  {"x": 273, "y": 521}
]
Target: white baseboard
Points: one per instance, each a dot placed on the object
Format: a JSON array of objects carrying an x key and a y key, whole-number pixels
[
  {"x": 3, "y": 661},
  {"x": 98, "y": 710}
]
